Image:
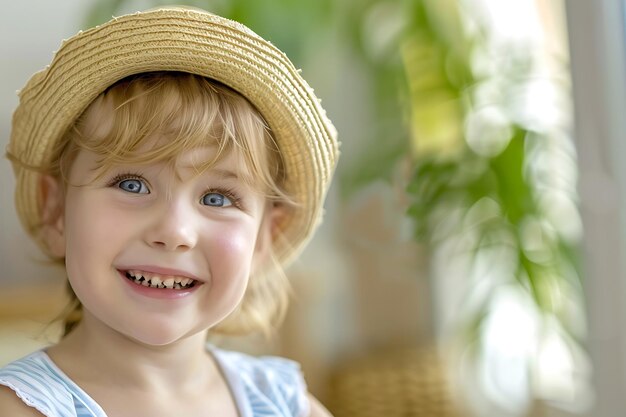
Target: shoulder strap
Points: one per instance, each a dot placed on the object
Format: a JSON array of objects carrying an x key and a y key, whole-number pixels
[
  {"x": 270, "y": 385},
  {"x": 38, "y": 386}
]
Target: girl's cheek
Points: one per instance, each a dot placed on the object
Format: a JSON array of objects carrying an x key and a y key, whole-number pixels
[{"x": 233, "y": 244}]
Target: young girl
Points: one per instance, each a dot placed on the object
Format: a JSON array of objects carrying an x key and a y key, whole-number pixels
[{"x": 174, "y": 162}]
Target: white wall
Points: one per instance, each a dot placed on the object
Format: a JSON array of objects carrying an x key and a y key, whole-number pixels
[{"x": 598, "y": 43}]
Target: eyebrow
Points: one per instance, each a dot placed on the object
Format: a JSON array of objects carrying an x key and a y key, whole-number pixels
[
  {"x": 219, "y": 172},
  {"x": 224, "y": 173},
  {"x": 216, "y": 171}
]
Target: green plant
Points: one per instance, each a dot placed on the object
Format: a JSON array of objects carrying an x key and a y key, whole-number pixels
[
  {"x": 481, "y": 168},
  {"x": 491, "y": 167}
]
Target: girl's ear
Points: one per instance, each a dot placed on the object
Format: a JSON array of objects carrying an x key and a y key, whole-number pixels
[{"x": 52, "y": 207}]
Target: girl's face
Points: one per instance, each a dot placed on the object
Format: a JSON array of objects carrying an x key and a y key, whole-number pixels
[{"x": 197, "y": 235}]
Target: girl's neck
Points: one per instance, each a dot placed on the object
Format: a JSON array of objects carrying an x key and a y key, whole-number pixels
[
  {"x": 95, "y": 353},
  {"x": 127, "y": 378}
]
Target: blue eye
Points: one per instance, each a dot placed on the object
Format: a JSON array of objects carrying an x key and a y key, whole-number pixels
[
  {"x": 133, "y": 185},
  {"x": 216, "y": 200}
]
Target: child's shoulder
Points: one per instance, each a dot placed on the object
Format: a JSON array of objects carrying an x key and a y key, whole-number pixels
[
  {"x": 265, "y": 382},
  {"x": 31, "y": 386},
  {"x": 12, "y": 405}
]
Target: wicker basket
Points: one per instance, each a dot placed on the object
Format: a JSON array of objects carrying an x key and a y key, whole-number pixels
[{"x": 408, "y": 383}]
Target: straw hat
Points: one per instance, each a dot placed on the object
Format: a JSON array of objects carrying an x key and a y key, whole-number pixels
[{"x": 188, "y": 40}]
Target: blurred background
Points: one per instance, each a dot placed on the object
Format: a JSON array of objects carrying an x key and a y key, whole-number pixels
[{"x": 470, "y": 263}]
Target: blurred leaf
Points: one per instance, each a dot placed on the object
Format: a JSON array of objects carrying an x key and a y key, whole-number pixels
[{"x": 513, "y": 191}]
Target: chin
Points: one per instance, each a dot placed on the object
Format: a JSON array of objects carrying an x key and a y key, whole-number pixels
[{"x": 159, "y": 337}]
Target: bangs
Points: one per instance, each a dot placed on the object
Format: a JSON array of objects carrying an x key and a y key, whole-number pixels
[{"x": 155, "y": 117}]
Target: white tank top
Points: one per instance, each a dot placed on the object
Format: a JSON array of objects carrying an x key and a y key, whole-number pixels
[{"x": 262, "y": 387}]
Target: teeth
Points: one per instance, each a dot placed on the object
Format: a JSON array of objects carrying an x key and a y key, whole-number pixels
[{"x": 156, "y": 281}]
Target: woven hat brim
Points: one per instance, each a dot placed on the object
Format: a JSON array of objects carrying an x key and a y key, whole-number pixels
[{"x": 188, "y": 41}]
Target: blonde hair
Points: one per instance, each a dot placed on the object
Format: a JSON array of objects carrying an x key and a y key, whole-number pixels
[{"x": 189, "y": 111}]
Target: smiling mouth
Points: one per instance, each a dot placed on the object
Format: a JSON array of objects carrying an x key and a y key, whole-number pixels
[{"x": 157, "y": 281}]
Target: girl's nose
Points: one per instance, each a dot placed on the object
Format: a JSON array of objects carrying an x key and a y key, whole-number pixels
[{"x": 173, "y": 229}]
